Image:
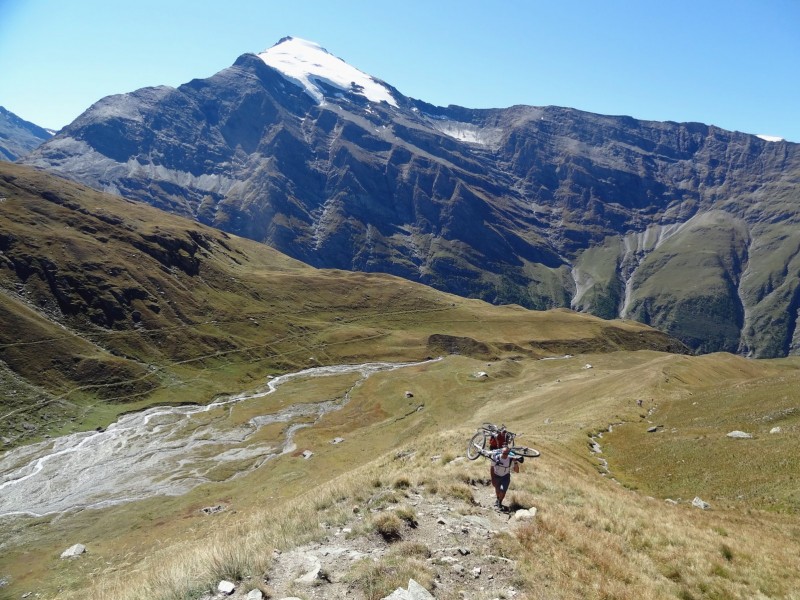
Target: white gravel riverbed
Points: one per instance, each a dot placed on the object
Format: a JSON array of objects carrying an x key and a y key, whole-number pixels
[{"x": 159, "y": 451}]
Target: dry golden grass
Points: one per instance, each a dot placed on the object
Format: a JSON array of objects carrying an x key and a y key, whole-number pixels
[
  {"x": 591, "y": 538},
  {"x": 379, "y": 579}
]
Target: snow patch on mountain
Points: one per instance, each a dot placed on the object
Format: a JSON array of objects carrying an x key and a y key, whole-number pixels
[
  {"x": 468, "y": 132},
  {"x": 308, "y": 64},
  {"x": 770, "y": 138}
]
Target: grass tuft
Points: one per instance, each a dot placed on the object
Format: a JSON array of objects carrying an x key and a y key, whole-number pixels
[
  {"x": 461, "y": 492},
  {"x": 402, "y": 483},
  {"x": 520, "y": 499},
  {"x": 727, "y": 552},
  {"x": 407, "y": 514},
  {"x": 378, "y": 579},
  {"x": 411, "y": 549},
  {"x": 388, "y": 525}
]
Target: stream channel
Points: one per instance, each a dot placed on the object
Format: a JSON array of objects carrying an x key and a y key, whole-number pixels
[{"x": 166, "y": 450}]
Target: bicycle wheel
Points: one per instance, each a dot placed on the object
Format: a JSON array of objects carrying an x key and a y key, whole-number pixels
[
  {"x": 476, "y": 445},
  {"x": 525, "y": 451}
]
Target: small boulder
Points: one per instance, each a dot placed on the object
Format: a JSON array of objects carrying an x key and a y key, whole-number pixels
[
  {"x": 312, "y": 567},
  {"x": 255, "y": 595},
  {"x": 525, "y": 514},
  {"x": 307, "y": 454},
  {"x": 698, "y": 503},
  {"x": 739, "y": 435},
  {"x": 73, "y": 551},
  {"x": 775, "y": 430},
  {"x": 226, "y": 587},
  {"x": 414, "y": 592}
]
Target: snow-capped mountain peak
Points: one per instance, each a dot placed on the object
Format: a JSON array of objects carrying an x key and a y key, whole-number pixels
[{"x": 306, "y": 63}]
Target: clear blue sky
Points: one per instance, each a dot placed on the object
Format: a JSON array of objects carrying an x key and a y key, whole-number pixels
[{"x": 731, "y": 63}]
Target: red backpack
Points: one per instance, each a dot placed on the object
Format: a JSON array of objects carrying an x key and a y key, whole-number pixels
[{"x": 497, "y": 441}]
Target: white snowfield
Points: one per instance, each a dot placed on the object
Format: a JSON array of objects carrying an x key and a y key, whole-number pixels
[
  {"x": 770, "y": 138},
  {"x": 306, "y": 63}
]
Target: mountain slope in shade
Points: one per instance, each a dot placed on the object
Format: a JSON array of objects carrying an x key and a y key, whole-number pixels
[
  {"x": 681, "y": 225},
  {"x": 18, "y": 137}
]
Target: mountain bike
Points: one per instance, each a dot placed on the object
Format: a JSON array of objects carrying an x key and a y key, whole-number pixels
[{"x": 477, "y": 444}]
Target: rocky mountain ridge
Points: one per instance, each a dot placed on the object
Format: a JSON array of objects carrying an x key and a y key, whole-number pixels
[
  {"x": 18, "y": 136},
  {"x": 683, "y": 226}
]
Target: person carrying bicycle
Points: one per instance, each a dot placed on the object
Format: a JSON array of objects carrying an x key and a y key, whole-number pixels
[{"x": 503, "y": 463}]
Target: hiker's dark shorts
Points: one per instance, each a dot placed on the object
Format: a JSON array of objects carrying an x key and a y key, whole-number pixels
[{"x": 502, "y": 481}]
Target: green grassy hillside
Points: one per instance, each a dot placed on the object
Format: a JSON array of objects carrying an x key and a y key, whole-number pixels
[
  {"x": 205, "y": 314},
  {"x": 108, "y": 306}
]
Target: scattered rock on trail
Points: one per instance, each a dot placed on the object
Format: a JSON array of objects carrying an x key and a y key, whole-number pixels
[
  {"x": 309, "y": 564},
  {"x": 458, "y": 552},
  {"x": 226, "y": 587},
  {"x": 212, "y": 510},
  {"x": 414, "y": 592},
  {"x": 73, "y": 551},
  {"x": 525, "y": 514}
]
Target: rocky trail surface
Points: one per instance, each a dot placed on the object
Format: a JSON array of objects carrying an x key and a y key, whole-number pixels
[{"x": 456, "y": 536}]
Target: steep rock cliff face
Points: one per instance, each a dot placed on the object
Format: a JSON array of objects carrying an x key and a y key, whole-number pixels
[{"x": 684, "y": 226}]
